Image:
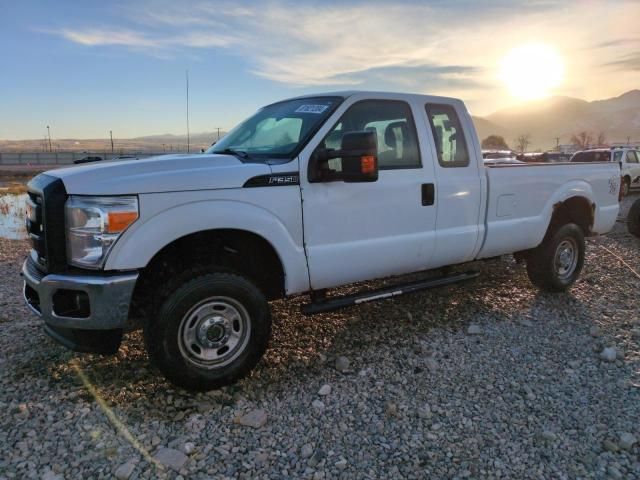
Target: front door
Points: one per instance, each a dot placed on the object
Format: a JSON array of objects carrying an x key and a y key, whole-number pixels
[{"x": 359, "y": 231}]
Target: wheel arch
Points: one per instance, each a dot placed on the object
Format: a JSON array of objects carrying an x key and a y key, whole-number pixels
[{"x": 148, "y": 237}]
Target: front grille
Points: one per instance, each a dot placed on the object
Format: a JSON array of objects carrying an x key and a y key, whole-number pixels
[
  {"x": 45, "y": 224},
  {"x": 35, "y": 227}
]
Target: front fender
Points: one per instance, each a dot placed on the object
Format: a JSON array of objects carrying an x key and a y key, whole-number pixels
[{"x": 164, "y": 219}]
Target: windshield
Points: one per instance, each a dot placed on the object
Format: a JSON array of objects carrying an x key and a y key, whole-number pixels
[{"x": 279, "y": 130}]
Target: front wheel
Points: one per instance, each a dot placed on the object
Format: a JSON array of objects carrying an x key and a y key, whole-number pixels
[
  {"x": 211, "y": 331},
  {"x": 556, "y": 264}
]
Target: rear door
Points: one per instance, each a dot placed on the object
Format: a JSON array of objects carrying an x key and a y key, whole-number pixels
[
  {"x": 459, "y": 192},
  {"x": 360, "y": 231}
]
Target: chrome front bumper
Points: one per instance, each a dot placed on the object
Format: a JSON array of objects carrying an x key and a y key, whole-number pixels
[{"x": 109, "y": 297}]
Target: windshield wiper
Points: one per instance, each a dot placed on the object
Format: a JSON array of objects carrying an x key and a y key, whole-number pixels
[{"x": 238, "y": 153}]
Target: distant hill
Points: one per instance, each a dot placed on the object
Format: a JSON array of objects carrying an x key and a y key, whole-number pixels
[
  {"x": 153, "y": 143},
  {"x": 618, "y": 118}
]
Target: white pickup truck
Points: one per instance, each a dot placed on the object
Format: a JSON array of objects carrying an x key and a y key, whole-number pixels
[{"x": 307, "y": 194}]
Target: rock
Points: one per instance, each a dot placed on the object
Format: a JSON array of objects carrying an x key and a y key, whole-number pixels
[
  {"x": 324, "y": 390},
  {"x": 608, "y": 354},
  {"x": 627, "y": 440},
  {"x": 318, "y": 405},
  {"x": 474, "y": 329},
  {"x": 306, "y": 451},
  {"x": 595, "y": 331},
  {"x": 254, "y": 419},
  {"x": 124, "y": 471},
  {"x": 51, "y": 475},
  {"x": 155, "y": 441},
  {"x": 610, "y": 446},
  {"x": 261, "y": 457},
  {"x": 424, "y": 412},
  {"x": 431, "y": 364},
  {"x": 548, "y": 436},
  {"x": 188, "y": 448},
  {"x": 171, "y": 458},
  {"x": 391, "y": 409},
  {"x": 613, "y": 472},
  {"x": 635, "y": 333},
  {"x": 342, "y": 364},
  {"x": 341, "y": 464}
]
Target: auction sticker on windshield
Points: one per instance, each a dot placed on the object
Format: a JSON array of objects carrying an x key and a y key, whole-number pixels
[{"x": 311, "y": 108}]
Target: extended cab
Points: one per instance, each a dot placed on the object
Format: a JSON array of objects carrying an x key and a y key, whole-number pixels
[{"x": 308, "y": 194}]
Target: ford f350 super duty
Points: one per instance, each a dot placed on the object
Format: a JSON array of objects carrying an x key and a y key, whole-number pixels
[{"x": 308, "y": 194}]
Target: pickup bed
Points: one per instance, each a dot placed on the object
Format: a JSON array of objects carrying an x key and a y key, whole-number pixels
[{"x": 308, "y": 194}]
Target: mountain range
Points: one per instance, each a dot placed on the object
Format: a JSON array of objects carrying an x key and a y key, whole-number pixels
[
  {"x": 547, "y": 122},
  {"x": 556, "y": 119}
]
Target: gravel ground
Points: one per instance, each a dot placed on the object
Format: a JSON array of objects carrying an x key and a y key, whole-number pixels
[{"x": 491, "y": 379}]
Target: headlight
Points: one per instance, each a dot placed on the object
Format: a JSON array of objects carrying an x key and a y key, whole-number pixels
[{"x": 93, "y": 226}]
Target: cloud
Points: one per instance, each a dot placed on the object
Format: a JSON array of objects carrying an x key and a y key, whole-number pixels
[
  {"x": 452, "y": 46},
  {"x": 616, "y": 43},
  {"x": 626, "y": 62},
  {"x": 93, "y": 37}
]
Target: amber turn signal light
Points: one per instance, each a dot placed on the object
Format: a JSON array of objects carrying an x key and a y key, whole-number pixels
[
  {"x": 368, "y": 164},
  {"x": 118, "y": 221}
]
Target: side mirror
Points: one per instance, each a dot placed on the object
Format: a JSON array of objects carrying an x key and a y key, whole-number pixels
[{"x": 359, "y": 154}]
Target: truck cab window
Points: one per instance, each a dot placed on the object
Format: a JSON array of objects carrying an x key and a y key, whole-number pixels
[
  {"x": 448, "y": 135},
  {"x": 391, "y": 121},
  {"x": 631, "y": 157}
]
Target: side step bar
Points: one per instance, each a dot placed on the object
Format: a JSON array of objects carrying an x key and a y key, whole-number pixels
[{"x": 336, "y": 303}]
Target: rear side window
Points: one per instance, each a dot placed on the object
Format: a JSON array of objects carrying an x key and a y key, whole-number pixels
[
  {"x": 592, "y": 156},
  {"x": 448, "y": 134},
  {"x": 617, "y": 156},
  {"x": 632, "y": 157}
]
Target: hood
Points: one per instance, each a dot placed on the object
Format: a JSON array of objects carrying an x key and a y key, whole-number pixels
[{"x": 159, "y": 174}]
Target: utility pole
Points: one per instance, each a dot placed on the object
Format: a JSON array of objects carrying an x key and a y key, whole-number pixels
[
  {"x": 558, "y": 143},
  {"x": 188, "y": 140},
  {"x": 628, "y": 140},
  {"x": 218, "y": 134},
  {"x": 49, "y": 135},
  {"x": 111, "y": 136},
  {"x": 163, "y": 150}
]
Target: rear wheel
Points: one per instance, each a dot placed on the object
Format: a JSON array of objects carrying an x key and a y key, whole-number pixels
[
  {"x": 626, "y": 186},
  {"x": 633, "y": 219},
  {"x": 556, "y": 264},
  {"x": 212, "y": 329}
]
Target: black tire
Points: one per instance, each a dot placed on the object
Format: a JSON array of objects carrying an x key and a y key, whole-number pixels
[
  {"x": 179, "y": 335},
  {"x": 626, "y": 186},
  {"x": 633, "y": 219},
  {"x": 548, "y": 265}
]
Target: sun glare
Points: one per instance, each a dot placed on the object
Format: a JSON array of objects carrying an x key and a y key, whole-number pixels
[{"x": 532, "y": 71}]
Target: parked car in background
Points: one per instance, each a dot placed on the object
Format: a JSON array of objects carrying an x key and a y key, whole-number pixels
[
  {"x": 125, "y": 157},
  {"x": 627, "y": 157},
  {"x": 492, "y": 154},
  {"x": 555, "y": 157},
  {"x": 88, "y": 159}
]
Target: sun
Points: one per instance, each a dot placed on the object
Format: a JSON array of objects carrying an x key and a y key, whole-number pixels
[{"x": 532, "y": 71}]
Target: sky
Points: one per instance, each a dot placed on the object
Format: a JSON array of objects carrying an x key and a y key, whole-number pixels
[{"x": 87, "y": 67}]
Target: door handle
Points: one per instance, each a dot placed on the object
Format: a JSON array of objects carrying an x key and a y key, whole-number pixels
[{"x": 428, "y": 194}]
